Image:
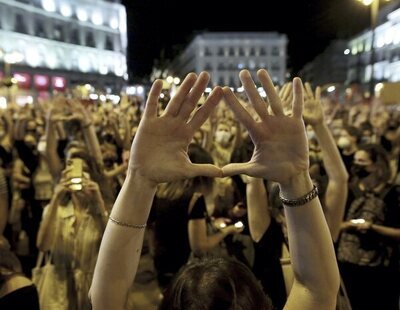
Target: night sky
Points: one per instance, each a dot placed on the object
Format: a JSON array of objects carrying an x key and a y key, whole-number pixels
[{"x": 158, "y": 30}]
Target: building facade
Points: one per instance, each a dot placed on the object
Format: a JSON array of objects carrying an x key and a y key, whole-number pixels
[
  {"x": 64, "y": 42},
  {"x": 386, "y": 50},
  {"x": 224, "y": 54}
]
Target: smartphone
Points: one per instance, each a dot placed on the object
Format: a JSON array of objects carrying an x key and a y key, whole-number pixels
[
  {"x": 75, "y": 173},
  {"x": 358, "y": 221},
  {"x": 239, "y": 224}
]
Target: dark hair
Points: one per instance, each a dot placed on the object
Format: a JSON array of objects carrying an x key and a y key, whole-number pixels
[
  {"x": 215, "y": 283},
  {"x": 379, "y": 157},
  {"x": 9, "y": 265},
  {"x": 354, "y": 132}
]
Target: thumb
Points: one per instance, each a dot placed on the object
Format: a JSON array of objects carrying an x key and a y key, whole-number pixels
[
  {"x": 236, "y": 168},
  {"x": 206, "y": 170}
]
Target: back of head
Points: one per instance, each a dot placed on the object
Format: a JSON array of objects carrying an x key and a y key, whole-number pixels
[
  {"x": 215, "y": 283},
  {"x": 9, "y": 263}
]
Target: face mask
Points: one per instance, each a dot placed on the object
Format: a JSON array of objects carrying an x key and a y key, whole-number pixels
[
  {"x": 41, "y": 146},
  {"x": 310, "y": 135},
  {"x": 360, "y": 171},
  {"x": 222, "y": 137},
  {"x": 344, "y": 143}
]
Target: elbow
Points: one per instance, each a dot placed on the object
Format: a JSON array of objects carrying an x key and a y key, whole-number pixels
[
  {"x": 256, "y": 235},
  {"x": 199, "y": 250}
]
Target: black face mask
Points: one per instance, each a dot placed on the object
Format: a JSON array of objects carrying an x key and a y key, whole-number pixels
[{"x": 360, "y": 171}]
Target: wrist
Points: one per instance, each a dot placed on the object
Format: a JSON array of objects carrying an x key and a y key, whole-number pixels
[
  {"x": 297, "y": 186},
  {"x": 319, "y": 126}
]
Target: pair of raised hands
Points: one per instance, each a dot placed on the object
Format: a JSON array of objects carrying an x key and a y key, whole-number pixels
[{"x": 159, "y": 150}]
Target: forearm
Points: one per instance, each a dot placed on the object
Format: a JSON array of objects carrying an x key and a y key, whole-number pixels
[
  {"x": 53, "y": 160},
  {"x": 257, "y": 208},
  {"x": 393, "y": 233},
  {"x": 120, "y": 249},
  {"x": 47, "y": 227},
  {"x": 310, "y": 243},
  {"x": 3, "y": 212},
  {"x": 116, "y": 171},
  {"x": 92, "y": 142},
  {"x": 337, "y": 190},
  {"x": 332, "y": 160}
]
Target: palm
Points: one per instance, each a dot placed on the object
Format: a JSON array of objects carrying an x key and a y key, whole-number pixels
[
  {"x": 170, "y": 139},
  {"x": 159, "y": 149},
  {"x": 281, "y": 149},
  {"x": 312, "y": 112},
  {"x": 280, "y": 145}
]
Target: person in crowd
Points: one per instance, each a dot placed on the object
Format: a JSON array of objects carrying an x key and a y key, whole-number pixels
[
  {"x": 206, "y": 233},
  {"x": 159, "y": 154},
  {"x": 267, "y": 222},
  {"x": 368, "y": 247},
  {"x": 348, "y": 144},
  {"x": 71, "y": 230},
  {"x": 16, "y": 290}
]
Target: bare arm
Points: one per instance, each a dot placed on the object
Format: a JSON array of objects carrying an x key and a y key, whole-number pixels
[
  {"x": 200, "y": 242},
  {"x": 337, "y": 190},
  {"x": 158, "y": 154},
  {"x": 47, "y": 228},
  {"x": 257, "y": 208},
  {"x": 53, "y": 160},
  {"x": 281, "y": 155}
]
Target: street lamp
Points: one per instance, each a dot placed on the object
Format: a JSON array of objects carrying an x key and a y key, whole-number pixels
[{"x": 374, "y": 5}]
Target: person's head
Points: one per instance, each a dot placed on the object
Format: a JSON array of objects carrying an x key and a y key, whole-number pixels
[
  {"x": 223, "y": 134},
  {"x": 9, "y": 263},
  {"x": 349, "y": 137},
  {"x": 371, "y": 160},
  {"x": 215, "y": 283}
]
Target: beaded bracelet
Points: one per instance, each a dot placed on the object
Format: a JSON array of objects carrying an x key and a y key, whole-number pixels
[
  {"x": 302, "y": 200},
  {"x": 137, "y": 226}
]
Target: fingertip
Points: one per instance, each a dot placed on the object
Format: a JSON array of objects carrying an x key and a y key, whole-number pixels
[
  {"x": 191, "y": 75},
  {"x": 261, "y": 72},
  {"x": 244, "y": 73}
]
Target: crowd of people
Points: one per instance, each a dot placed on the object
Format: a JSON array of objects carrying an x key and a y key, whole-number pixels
[{"x": 289, "y": 200}]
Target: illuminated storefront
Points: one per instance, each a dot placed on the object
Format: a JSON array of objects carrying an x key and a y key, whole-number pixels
[{"x": 62, "y": 43}]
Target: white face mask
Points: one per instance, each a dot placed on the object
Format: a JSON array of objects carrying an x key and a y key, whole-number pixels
[
  {"x": 310, "y": 135},
  {"x": 41, "y": 147},
  {"x": 344, "y": 143},
  {"x": 222, "y": 137}
]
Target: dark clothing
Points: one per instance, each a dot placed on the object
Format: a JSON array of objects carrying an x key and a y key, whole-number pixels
[
  {"x": 369, "y": 262},
  {"x": 21, "y": 299},
  {"x": 171, "y": 241},
  {"x": 267, "y": 266}
]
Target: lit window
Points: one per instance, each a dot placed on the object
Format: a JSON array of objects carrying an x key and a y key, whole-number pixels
[
  {"x": 97, "y": 18},
  {"x": 49, "y": 5},
  {"x": 114, "y": 23},
  {"x": 82, "y": 15},
  {"x": 65, "y": 10}
]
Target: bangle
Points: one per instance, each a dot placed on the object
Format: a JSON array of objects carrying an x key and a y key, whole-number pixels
[
  {"x": 302, "y": 200},
  {"x": 137, "y": 226},
  {"x": 87, "y": 125}
]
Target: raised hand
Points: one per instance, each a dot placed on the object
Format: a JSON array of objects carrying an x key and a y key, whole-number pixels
[
  {"x": 281, "y": 150},
  {"x": 312, "y": 112},
  {"x": 159, "y": 150}
]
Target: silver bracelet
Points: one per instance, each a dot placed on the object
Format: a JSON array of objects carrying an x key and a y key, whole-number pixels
[
  {"x": 137, "y": 226},
  {"x": 302, "y": 200}
]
